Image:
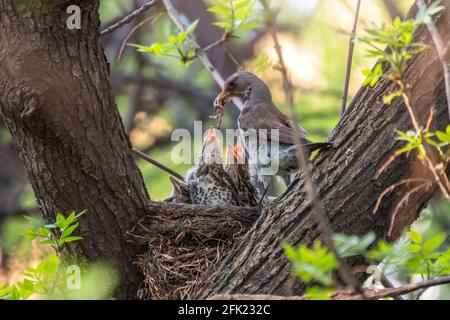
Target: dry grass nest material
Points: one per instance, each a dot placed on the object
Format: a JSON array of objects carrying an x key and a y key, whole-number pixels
[{"x": 182, "y": 248}]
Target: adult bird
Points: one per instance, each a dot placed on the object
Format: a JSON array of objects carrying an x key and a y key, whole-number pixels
[
  {"x": 208, "y": 182},
  {"x": 267, "y": 134}
]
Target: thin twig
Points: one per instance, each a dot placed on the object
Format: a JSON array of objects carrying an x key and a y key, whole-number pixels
[
  {"x": 403, "y": 200},
  {"x": 157, "y": 164},
  {"x": 441, "y": 51},
  {"x": 351, "y": 47},
  {"x": 318, "y": 208},
  {"x": 127, "y": 19},
  {"x": 264, "y": 195},
  {"x": 201, "y": 55},
  {"x": 441, "y": 179},
  {"x": 393, "y": 187},
  {"x": 411, "y": 288},
  {"x": 152, "y": 18},
  {"x": 345, "y": 295},
  {"x": 217, "y": 43}
]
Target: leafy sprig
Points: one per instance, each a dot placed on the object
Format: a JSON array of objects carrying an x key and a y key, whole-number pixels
[
  {"x": 398, "y": 38},
  {"x": 232, "y": 15},
  {"x": 56, "y": 234},
  {"x": 316, "y": 265},
  {"x": 46, "y": 278},
  {"x": 175, "y": 46}
]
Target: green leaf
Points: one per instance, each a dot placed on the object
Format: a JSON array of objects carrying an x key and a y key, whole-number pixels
[
  {"x": 71, "y": 239},
  {"x": 248, "y": 25},
  {"x": 443, "y": 136},
  {"x": 30, "y": 234},
  {"x": 318, "y": 293},
  {"x": 434, "y": 243},
  {"x": 68, "y": 231},
  {"x": 223, "y": 25},
  {"x": 220, "y": 9},
  {"x": 44, "y": 232},
  {"x": 413, "y": 248},
  {"x": 192, "y": 27},
  {"x": 415, "y": 236},
  {"x": 47, "y": 241},
  {"x": 172, "y": 39},
  {"x": 406, "y": 149},
  {"x": 33, "y": 221},
  {"x": 243, "y": 3},
  {"x": 388, "y": 99}
]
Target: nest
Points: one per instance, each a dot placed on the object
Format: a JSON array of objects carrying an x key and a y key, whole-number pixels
[{"x": 183, "y": 245}]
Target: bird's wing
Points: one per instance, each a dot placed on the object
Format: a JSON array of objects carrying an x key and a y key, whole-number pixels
[{"x": 267, "y": 116}]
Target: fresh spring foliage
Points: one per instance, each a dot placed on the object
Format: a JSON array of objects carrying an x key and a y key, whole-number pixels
[
  {"x": 314, "y": 266},
  {"x": 232, "y": 15},
  {"x": 317, "y": 265},
  {"x": 56, "y": 234},
  {"x": 53, "y": 277},
  {"x": 176, "y": 46},
  {"x": 398, "y": 37},
  {"x": 416, "y": 257},
  {"x": 261, "y": 64}
]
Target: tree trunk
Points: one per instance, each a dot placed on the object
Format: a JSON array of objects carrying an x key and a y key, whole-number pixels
[
  {"x": 57, "y": 103},
  {"x": 347, "y": 182}
]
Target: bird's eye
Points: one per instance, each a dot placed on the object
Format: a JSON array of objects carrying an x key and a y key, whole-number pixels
[{"x": 232, "y": 85}]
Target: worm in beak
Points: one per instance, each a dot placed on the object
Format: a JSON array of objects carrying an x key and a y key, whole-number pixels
[{"x": 221, "y": 99}]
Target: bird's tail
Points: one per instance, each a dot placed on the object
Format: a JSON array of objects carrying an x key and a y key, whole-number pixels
[{"x": 313, "y": 146}]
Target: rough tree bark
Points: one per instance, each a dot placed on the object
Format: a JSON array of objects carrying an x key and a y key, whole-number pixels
[
  {"x": 57, "y": 103},
  {"x": 347, "y": 181}
]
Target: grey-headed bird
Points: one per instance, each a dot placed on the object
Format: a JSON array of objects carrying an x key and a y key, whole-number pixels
[{"x": 267, "y": 134}]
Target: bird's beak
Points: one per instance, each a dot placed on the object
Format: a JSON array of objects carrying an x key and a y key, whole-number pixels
[
  {"x": 230, "y": 155},
  {"x": 211, "y": 136},
  {"x": 211, "y": 148},
  {"x": 221, "y": 98},
  {"x": 238, "y": 153}
]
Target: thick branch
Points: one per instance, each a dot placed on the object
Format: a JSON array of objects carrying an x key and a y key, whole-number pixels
[{"x": 347, "y": 182}]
